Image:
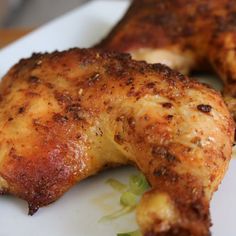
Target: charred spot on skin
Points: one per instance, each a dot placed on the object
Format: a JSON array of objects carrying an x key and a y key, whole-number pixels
[
  {"x": 76, "y": 111},
  {"x": 14, "y": 155},
  {"x": 38, "y": 125},
  {"x": 198, "y": 210},
  {"x": 94, "y": 78},
  {"x": 166, "y": 173},
  {"x": 160, "y": 172},
  {"x": 167, "y": 105},
  {"x": 60, "y": 118},
  {"x": 117, "y": 70},
  {"x": 137, "y": 95},
  {"x": 120, "y": 118},
  {"x": 109, "y": 109},
  {"x": 166, "y": 72},
  {"x": 63, "y": 98},
  {"x": 106, "y": 103},
  {"x": 34, "y": 80},
  {"x": 99, "y": 132},
  {"x": 21, "y": 110},
  {"x": 197, "y": 141},
  {"x": 169, "y": 117},
  {"x": 49, "y": 85},
  {"x": 129, "y": 81},
  {"x": 150, "y": 85},
  {"x": 146, "y": 118},
  {"x": 181, "y": 77},
  {"x": 76, "y": 107},
  {"x": 131, "y": 122},
  {"x": 118, "y": 138},
  {"x": 10, "y": 119},
  {"x": 104, "y": 87},
  {"x": 162, "y": 152},
  {"x": 131, "y": 92},
  {"x": 32, "y": 208},
  {"x": 204, "y": 108}
]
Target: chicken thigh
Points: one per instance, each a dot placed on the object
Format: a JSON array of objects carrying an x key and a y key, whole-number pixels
[
  {"x": 67, "y": 115},
  {"x": 186, "y": 35}
]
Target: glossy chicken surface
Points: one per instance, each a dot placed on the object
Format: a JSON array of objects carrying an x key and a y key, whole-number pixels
[
  {"x": 68, "y": 115},
  {"x": 186, "y": 35}
]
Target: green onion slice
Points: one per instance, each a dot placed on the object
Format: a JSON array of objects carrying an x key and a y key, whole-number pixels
[
  {"x": 135, "y": 233},
  {"x": 128, "y": 199},
  {"x": 117, "y": 214},
  {"x": 117, "y": 185},
  {"x": 138, "y": 184}
]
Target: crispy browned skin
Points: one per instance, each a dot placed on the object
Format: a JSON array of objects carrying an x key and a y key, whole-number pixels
[
  {"x": 67, "y": 115},
  {"x": 184, "y": 34}
]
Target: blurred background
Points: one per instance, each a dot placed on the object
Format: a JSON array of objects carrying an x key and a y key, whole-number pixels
[
  {"x": 19, "y": 17},
  {"x": 32, "y": 13}
]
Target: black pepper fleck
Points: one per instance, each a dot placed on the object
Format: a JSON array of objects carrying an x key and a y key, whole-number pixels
[
  {"x": 131, "y": 122},
  {"x": 162, "y": 152},
  {"x": 60, "y": 118},
  {"x": 21, "y": 110},
  {"x": 204, "y": 108},
  {"x": 93, "y": 79},
  {"x": 118, "y": 139},
  {"x": 167, "y": 105},
  {"x": 169, "y": 117},
  {"x": 150, "y": 85},
  {"x": 129, "y": 81},
  {"x": 34, "y": 80}
]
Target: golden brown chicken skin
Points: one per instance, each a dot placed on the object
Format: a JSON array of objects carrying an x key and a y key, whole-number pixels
[
  {"x": 186, "y": 35},
  {"x": 68, "y": 115}
]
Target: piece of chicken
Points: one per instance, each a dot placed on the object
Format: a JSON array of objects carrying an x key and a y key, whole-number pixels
[
  {"x": 186, "y": 35},
  {"x": 67, "y": 115}
]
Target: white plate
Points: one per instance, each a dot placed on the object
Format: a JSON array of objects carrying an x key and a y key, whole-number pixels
[{"x": 78, "y": 211}]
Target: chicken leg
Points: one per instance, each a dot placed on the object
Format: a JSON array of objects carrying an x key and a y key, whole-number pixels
[
  {"x": 186, "y": 35},
  {"x": 68, "y": 115}
]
